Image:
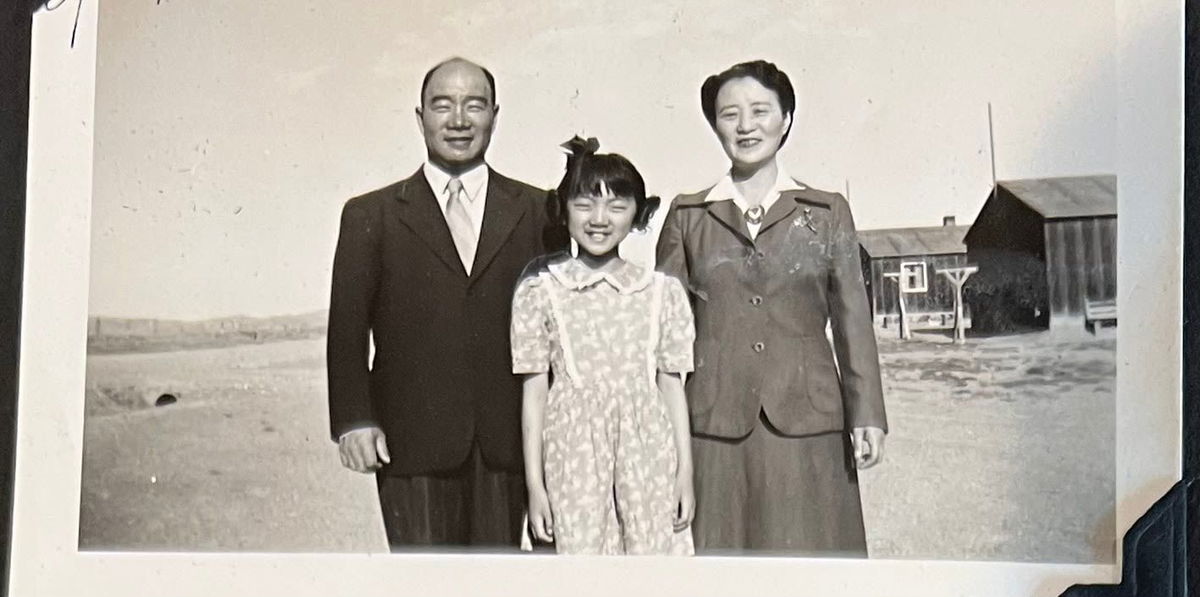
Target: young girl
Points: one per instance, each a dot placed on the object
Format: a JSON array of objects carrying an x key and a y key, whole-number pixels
[{"x": 608, "y": 459}]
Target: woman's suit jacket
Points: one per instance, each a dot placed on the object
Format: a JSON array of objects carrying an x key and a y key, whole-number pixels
[{"x": 761, "y": 308}]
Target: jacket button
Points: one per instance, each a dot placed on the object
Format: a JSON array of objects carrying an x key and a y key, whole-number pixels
[
  {"x": 756, "y": 300},
  {"x": 759, "y": 346},
  {"x": 760, "y": 254}
]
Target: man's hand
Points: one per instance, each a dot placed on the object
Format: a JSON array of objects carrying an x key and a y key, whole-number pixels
[
  {"x": 363, "y": 450},
  {"x": 868, "y": 446}
]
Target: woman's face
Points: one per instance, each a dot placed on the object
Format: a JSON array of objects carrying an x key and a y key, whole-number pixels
[
  {"x": 600, "y": 222},
  {"x": 750, "y": 122}
]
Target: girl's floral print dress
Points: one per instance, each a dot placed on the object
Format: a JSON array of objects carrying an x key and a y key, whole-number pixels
[{"x": 608, "y": 448}]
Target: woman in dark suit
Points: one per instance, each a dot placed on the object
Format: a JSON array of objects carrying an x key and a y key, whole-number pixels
[{"x": 779, "y": 426}]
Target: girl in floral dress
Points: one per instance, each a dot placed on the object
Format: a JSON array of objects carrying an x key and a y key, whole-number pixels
[{"x": 608, "y": 460}]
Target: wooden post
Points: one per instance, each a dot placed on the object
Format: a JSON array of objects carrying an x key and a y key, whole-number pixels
[
  {"x": 958, "y": 276},
  {"x": 905, "y": 332}
]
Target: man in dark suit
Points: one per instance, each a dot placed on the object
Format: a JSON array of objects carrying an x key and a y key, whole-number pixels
[{"x": 426, "y": 268}]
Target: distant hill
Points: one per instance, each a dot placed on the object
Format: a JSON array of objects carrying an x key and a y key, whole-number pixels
[{"x": 115, "y": 334}]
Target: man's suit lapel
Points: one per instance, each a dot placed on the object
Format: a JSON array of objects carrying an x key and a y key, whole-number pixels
[
  {"x": 501, "y": 214},
  {"x": 419, "y": 211}
]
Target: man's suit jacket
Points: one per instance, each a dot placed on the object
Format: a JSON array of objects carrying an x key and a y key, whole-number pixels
[
  {"x": 442, "y": 372},
  {"x": 761, "y": 308}
]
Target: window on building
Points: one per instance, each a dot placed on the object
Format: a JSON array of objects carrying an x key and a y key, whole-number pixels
[{"x": 913, "y": 277}]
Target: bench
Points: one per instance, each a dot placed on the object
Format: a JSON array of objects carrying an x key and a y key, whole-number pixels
[{"x": 1097, "y": 313}]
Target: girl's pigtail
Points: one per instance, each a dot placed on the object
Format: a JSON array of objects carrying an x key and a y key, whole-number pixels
[
  {"x": 647, "y": 212},
  {"x": 555, "y": 208}
]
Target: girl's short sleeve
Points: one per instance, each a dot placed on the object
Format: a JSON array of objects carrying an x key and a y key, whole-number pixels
[
  {"x": 677, "y": 329},
  {"x": 529, "y": 333}
]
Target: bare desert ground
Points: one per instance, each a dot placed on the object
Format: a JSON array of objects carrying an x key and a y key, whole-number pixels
[{"x": 1000, "y": 449}]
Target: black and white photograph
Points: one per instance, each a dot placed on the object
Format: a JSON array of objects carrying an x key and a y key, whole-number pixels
[{"x": 751, "y": 284}]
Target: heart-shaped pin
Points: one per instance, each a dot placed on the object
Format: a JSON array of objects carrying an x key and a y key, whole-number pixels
[{"x": 754, "y": 215}]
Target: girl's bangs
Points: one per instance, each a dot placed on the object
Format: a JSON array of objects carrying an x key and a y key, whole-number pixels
[{"x": 620, "y": 178}]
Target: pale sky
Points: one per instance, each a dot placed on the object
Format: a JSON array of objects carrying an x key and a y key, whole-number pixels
[{"x": 228, "y": 134}]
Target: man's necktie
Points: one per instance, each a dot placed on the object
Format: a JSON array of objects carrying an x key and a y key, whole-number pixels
[{"x": 460, "y": 223}]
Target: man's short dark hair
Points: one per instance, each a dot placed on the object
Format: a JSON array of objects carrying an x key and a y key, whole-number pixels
[
  {"x": 429, "y": 75},
  {"x": 762, "y": 71}
]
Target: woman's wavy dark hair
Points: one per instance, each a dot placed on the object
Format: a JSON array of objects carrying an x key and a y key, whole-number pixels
[
  {"x": 762, "y": 71},
  {"x": 586, "y": 169}
]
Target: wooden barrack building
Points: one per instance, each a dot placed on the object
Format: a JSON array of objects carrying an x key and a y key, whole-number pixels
[
  {"x": 912, "y": 256},
  {"x": 1062, "y": 229}
]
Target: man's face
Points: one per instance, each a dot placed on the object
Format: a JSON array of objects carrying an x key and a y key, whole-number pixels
[{"x": 457, "y": 116}]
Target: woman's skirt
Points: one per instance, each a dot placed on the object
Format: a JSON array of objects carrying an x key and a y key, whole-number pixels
[{"x": 780, "y": 494}]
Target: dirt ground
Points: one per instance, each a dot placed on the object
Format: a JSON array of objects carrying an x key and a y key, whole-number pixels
[{"x": 1001, "y": 449}]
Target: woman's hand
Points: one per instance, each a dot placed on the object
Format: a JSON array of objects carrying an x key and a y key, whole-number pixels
[
  {"x": 685, "y": 500},
  {"x": 540, "y": 518},
  {"x": 868, "y": 446}
]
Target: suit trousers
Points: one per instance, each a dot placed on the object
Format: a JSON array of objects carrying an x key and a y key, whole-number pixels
[{"x": 471, "y": 505}]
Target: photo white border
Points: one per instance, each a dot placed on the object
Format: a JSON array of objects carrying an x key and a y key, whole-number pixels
[{"x": 44, "y": 554}]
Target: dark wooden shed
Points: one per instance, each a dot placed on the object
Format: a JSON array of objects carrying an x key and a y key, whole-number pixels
[
  {"x": 916, "y": 253},
  {"x": 1047, "y": 249}
]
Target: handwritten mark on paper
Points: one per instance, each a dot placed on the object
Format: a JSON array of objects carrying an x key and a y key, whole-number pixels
[{"x": 47, "y": 4}]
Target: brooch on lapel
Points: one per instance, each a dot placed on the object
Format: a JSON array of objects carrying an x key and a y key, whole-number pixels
[
  {"x": 754, "y": 215},
  {"x": 805, "y": 219}
]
